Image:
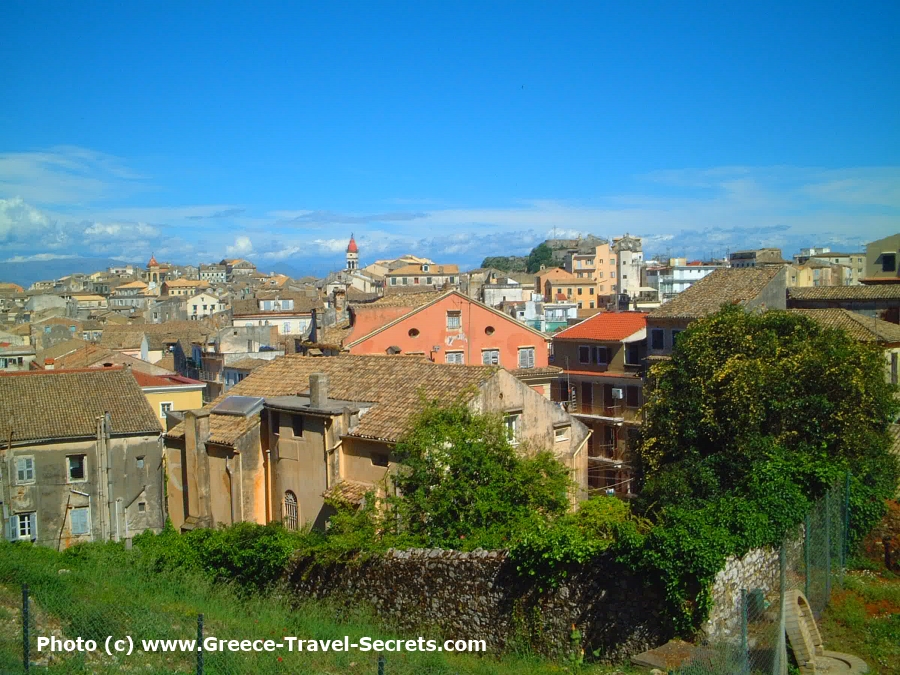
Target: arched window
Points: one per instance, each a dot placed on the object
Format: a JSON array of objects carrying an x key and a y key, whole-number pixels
[{"x": 290, "y": 517}]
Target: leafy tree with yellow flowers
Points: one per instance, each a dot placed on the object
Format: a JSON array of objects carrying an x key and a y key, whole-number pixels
[{"x": 772, "y": 408}]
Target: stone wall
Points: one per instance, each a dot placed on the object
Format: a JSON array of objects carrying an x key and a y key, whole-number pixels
[
  {"x": 757, "y": 569},
  {"x": 478, "y": 595}
]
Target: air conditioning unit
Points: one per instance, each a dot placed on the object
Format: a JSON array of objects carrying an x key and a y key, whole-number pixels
[{"x": 618, "y": 393}]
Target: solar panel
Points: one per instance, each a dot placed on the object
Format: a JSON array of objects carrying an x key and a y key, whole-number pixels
[{"x": 239, "y": 405}]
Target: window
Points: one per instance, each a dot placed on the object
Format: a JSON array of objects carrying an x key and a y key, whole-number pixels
[
  {"x": 561, "y": 434},
  {"x": 274, "y": 421},
  {"x": 428, "y": 280},
  {"x": 657, "y": 338},
  {"x": 142, "y": 507},
  {"x": 393, "y": 281},
  {"x": 26, "y": 526},
  {"x": 165, "y": 407},
  {"x": 413, "y": 332},
  {"x": 888, "y": 262},
  {"x": 633, "y": 355},
  {"x": 76, "y": 467},
  {"x": 80, "y": 520},
  {"x": 290, "y": 514},
  {"x": 591, "y": 292},
  {"x": 454, "y": 357},
  {"x": 452, "y": 280},
  {"x": 24, "y": 470},
  {"x": 489, "y": 330},
  {"x": 612, "y": 275},
  {"x": 415, "y": 281},
  {"x": 454, "y": 320},
  {"x": 512, "y": 428},
  {"x": 406, "y": 281},
  {"x": 674, "y": 336},
  {"x": 601, "y": 356},
  {"x": 600, "y": 274},
  {"x": 584, "y": 354},
  {"x": 592, "y": 304},
  {"x": 632, "y": 397},
  {"x": 490, "y": 357},
  {"x": 579, "y": 305},
  {"x": 526, "y": 357},
  {"x": 139, "y": 462},
  {"x": 580, "y": 290},
  {"x": 297, "y": 426},
  {"x": 286, "y": 327},
  {"x": 380, "y": 459}
]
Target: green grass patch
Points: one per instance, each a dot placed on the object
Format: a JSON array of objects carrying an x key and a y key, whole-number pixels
[
  {"x": 863, "y": 619},
  {"x": 97, "y": 590}
]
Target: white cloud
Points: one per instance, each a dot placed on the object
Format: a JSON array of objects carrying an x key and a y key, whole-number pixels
[
  {"x": 242, "y": 247},
  {"x": 65, "y": 175},
  {"x": 38, "y": 257}
]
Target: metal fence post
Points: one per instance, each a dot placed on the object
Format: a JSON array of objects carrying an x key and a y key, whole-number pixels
[
  {"x": 26, "y": 647},
  {"x": 845, "y": 535},
  {"x": 827, "y": 546},
  {"x": 745, "y": 642},
  {"x": 199, "y": 644},
  {"x": 780, "y": 666},
  {"x": 807, "y": 553},
  {"x": 381, "y": 664}
]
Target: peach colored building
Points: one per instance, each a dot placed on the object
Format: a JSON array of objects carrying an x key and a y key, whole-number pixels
[{"x": 451, "y": 328}]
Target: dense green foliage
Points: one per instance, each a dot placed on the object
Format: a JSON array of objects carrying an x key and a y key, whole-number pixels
[
  {"x": 464, "y": 486},
  {"x": 540, "y": 255},
  {"x": 510, "y": 263},
  {"x": 750, "y": 398}
]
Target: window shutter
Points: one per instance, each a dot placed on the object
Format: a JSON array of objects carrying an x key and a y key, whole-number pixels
[
  {"x": 33, "y": 518},
  {"x": 12, "y": 531}
]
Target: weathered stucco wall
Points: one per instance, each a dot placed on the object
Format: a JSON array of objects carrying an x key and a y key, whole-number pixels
[{"x": 478, "y": 595}]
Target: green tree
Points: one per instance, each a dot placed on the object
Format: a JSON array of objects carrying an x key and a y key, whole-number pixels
[
  {"x": 540, "y": 255},
  {"x": 463, "y": 485},
  {"x": 753, "y": 400}
]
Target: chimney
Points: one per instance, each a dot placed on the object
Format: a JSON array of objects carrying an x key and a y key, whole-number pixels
[
  {"x": 318, "y": 390},
  {"x": 48, "y": 364}
]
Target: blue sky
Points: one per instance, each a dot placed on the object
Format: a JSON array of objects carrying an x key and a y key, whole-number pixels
[{"x": 452, "y": 130}]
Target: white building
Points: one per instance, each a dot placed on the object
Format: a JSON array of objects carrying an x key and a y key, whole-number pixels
[{"x": 204, "y": 304}]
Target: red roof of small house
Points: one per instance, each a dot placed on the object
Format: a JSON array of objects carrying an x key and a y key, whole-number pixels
[
  {"x": 606, "y": 326},
  {"x": 351, "y": 247},
  {"x": 152, "y": 262},
  {"x": 147, "y": 380}
]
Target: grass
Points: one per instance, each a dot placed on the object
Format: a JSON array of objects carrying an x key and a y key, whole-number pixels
[
  {"x": 863, "y": 619},
  {"x": 101, "y": 589}
]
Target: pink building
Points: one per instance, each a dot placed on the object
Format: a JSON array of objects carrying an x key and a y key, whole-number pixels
[{"x": 450, "y": 328}]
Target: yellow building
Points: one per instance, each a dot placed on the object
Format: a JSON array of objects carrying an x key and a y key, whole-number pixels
[{"x": 170, "y": 393}]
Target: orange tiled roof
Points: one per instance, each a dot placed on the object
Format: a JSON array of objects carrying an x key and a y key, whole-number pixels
[{"x": 606, "y": 326}]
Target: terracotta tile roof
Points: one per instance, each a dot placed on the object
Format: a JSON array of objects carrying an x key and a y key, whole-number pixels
[
  {"x": 348, "y": 492},
  {"x": 859, "y": 327},
  {"x": 43, "y": 405},
  {"x": 248, "y": 363},
  {"x": 607, "y": 326},
  {"x": 158, "y": 334},
  {"x": 407, "y": 299},
  {"x": 167, "y": 362},
  {"x": 433, "y": 270},
  {"x": 148, "y": 380},
  {"x": 334, "y": 335},
  {"x": 723, "y": 286},
  {"x": 552, "y": 371},
  {"x": 395, "y": 384},
  {"x": 556, "y": 273},
  {"x": 303, "y": 304},
  {"x": 847, "y": 293},
  {"x": 59, "y": 350},
  {"x": 93, "y": 356}
]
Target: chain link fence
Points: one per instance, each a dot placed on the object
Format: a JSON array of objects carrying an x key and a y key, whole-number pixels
[{"x": 810, "y": 561}]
